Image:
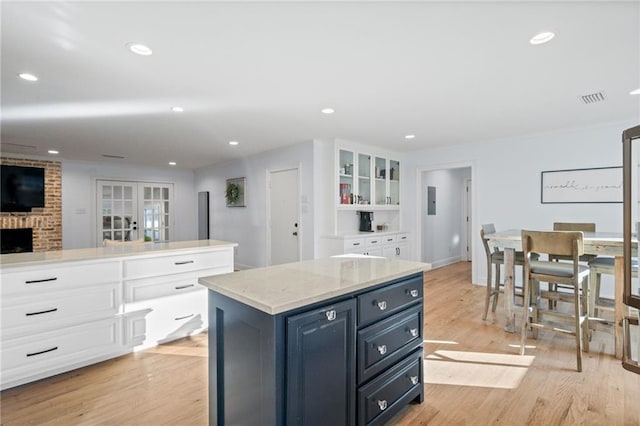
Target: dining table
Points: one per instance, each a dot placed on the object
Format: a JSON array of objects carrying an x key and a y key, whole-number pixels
[{"x": 595, "y": 243}]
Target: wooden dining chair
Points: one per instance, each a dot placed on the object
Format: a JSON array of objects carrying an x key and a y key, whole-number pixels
[
  {"x": 495, "y": 257},
  {"x": 603, "y": 265},
  {"x": 572, "y": 274}
]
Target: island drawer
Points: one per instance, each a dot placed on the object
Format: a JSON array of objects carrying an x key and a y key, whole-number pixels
[
  {"x": 35, "y": 280},
  {"x": 381, "y": 303},
  {"x": 60, "y": 308},
  {"x": 394, "y": 387},
  {"x": 174, "y": 264},
  {"x": 388, "y": 341}
]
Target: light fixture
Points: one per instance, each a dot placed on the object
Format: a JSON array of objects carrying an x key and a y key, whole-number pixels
[
  {"x": 139, "y": 49},
  {"x": 177, "y": 109},
  {"x": 27, "y": 76},
  {"x": 53, "y": 152},
  {"x": 541, "y": 38},
  {"x": 233, "y": 143},
  {"x": 635, "y": 92},
  {"x": 410, "y": 137},
  {"x": 172, "y": 163},
  {"x": 327, "y": 111}
]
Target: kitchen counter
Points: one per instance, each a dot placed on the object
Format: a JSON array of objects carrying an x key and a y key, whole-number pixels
[
  {"x": 280, "y": 288},
  {"x": 358, "y": 234},
  {"x": 96, "y": 253}
]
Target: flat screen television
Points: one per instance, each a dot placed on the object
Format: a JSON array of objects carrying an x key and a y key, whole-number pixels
[{"x": 22, "y": 188}]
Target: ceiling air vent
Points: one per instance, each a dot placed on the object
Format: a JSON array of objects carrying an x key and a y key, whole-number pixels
[
  {"x": 592, "y": 98},
  {"x": 120, "y": 157}
]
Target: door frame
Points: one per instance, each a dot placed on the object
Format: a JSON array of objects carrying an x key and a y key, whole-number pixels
[
  {"x": 269, "y": 172},
  {"x": 419, "y": 200}
]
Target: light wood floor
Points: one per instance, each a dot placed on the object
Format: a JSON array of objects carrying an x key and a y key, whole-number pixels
[{"x": 473, "y": 373}]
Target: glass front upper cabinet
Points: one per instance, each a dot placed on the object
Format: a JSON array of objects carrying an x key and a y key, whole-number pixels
[
  {"x": 364, "y": 179},
  {"x": 387, "y": 182},
  {"x": 345, "y": 180}
]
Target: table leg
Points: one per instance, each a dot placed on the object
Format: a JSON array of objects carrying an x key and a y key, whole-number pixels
[
  {"x": 509, "y": 290},
  {"x": 619, "y": 304}
]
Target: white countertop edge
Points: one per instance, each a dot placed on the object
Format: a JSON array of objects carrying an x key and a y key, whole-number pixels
[
  {"x": 342, "y": 236},
  {"x": 16, "y": 260}
]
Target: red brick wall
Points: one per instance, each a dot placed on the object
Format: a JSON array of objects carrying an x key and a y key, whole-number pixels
[{"x": 46, "y": 222}]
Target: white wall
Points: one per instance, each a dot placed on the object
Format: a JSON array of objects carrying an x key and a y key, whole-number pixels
[
  {"x": 79, "y": 192},
  {"x": 248, "y": 225},
  {"x": 443, "y": 233},
  {"x": 506, "y": 180}
]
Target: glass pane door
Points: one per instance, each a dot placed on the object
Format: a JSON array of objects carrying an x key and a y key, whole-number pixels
[
  {"x": 394, "y": 182},
  {"x": 380, "y": 173},
  {"x": 346, "y": 172},
  {"x": 157, "y": 211},
  {"x": 117, "y": 211},
  {"x": 364, "y": 179}
]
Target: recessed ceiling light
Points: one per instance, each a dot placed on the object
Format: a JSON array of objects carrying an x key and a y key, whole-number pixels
[
  {"x": 328, "y": 111},
  {"x": 542, "y": 37},
  {"x": 233, "y": 142},
  {"x": 635, "y": 92},
  {"x": 27, "y": 76},
  {"x": 172, "y": 163},
  {"x": 177, "y": 109},
  {"x": 410, "y": 137},
  {"x": 139, "y": 49},
  {"x": 53, "y": 151}
]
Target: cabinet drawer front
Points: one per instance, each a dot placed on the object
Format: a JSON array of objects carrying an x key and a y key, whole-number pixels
[
  {"x": 381, "y": 303},
  {"x": 377, "y": 398},
  {"x": 162, "y": 265},
  {"x": 387, "y": 341},
  {"x": 375, "y": 241},
  {"x": 20, "y": 315},
  {"x": 352, "y": 244},
  {"x": 152, "y": 288},
  {"x": 41, "y": 352},
  {"x": 388, "y": 239},
  {"x": 69, "y": 275},
  {"x": 402, "y": 237}
]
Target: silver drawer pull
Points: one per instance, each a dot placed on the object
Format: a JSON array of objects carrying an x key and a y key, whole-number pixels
[
  {"x": 414, "y": 380},
  {"x": 180, "y": 287},
  {"x": 389, "y": 239},
  {"x": 55, "y": 348},
  {"x": 331, "y": 315},
  {"x": 382, "y": 305},
  {"x": 382, "y": 349},
  {"x": 412, "y": 293},
  {"x": 29, "y": 314},
  {"x": 183, "y": 262},
  {"x": 356, "y": 244},
  {"x": 374, "y": 242},
  {"x": 184, "y": 317},
  {"x": 382, "y": 404},
  {"x": 41, "y": 281},
  {"x": 414, "y": 332}
]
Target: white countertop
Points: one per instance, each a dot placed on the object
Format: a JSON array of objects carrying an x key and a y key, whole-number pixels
[
  {"x": 358, "y": 234},
  {"x": 280, "y": 288},
  {"x": 47, "y": 257}
]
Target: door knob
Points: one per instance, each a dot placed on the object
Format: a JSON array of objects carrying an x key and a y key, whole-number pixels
[{"x": 295, "y": 233}]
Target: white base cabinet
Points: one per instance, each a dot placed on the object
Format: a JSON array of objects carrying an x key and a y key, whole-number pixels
[
  {"x": 385, "y": 244},
  {"x": 57, "y": 316}
]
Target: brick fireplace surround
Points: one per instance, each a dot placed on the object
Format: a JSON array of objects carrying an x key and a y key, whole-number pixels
[{"x": 46, "y": 222}]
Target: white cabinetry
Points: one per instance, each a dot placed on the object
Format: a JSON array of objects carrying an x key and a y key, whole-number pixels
[
  {"x": 366, "y": 180},
  {"x": 385, "y": 244}
]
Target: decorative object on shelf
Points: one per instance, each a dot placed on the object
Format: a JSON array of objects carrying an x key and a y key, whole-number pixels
[
  {"x": 596, "y": 185},
  {"x": 235, "y": 192}
]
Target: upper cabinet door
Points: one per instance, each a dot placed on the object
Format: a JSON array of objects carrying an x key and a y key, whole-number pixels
[
  {"x": 394, "y": 183},
  {"x": 364, "y": 179},
  {"x": 346, "y": 182},
  {"x": 387, "y": 179}
]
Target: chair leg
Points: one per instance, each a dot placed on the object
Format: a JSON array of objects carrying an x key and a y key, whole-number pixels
[
  {"x": 578, "y": 326},
  {"x": 525, "y": 315},
  {"x": 489, "y": 290},
  {"x": 534, "y": 290},
  {"x": 584, "y": 312},
  {"x": 596, "y": 295},
  {"x": 496, "y": 289}
]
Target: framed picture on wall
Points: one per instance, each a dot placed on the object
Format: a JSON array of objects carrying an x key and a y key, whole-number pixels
[
  {"x": 597, "y": 185},
  {"x": 235, "y": 192}
]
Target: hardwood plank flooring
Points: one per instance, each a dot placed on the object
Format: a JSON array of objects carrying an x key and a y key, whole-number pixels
[{"x": 474, "y": 376}]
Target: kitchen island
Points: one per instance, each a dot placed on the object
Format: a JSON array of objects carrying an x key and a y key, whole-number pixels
[{"x": 328, "y": 341}]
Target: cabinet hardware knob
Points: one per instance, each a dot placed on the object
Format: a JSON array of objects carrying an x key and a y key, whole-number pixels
[
  {"x": 180, "y": 287},
  {"x": 294, "y": 233},
  {"x": 41, "y": 281},
  {"x": 382, "y": 349},
  {"x": 374, "y": 242},
  {"x": 331, "y": 315},
  {"x": 414, "y": 380},
  {"x": 382, "y": 404},
  {"x": 414, "y": 332},
  {"x": 382, "y": 305},
  {"x": 55, "y": 348},
  {"x": 184, "y": 262},
  {"x": 412, "y": 292},
  {"x": 29, "y": 314},
  {"x": 356, "y": 244},
  {"x": 184, "y": 317}
]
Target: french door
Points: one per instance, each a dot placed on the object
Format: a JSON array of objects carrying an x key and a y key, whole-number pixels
[{"x": 128, "y": 211}]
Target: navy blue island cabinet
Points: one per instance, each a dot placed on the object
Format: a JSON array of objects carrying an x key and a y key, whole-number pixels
[{"x": 352, "y": 359}]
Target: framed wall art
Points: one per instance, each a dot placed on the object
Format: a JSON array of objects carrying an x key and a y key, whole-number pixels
[
  {"x": 235, "y": 192},
  {"x": 596, "y": 185}
]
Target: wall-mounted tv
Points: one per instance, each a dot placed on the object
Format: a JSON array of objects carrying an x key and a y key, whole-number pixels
[{"x": 22, "y": 188}]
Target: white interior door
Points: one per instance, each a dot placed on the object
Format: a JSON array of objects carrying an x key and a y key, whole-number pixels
[{"x": 284, "y": 207}]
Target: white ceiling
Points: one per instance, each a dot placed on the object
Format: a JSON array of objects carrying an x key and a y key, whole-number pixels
[{"x": 260, "y": 73}]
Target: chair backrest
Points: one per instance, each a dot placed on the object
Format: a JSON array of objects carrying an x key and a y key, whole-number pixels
[
  {"x": 485, "y": 230},
  {"x": 574, "y": 226},
  {"x": 563, "y": 243},
  {"x": 488, "y": 228}
]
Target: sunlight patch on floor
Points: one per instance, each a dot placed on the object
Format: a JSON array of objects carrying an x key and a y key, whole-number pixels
[
  {"x": 477, "y": 369},
  {"x": 179, "y": 350},
  {"x": 440, "y": 342}
]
